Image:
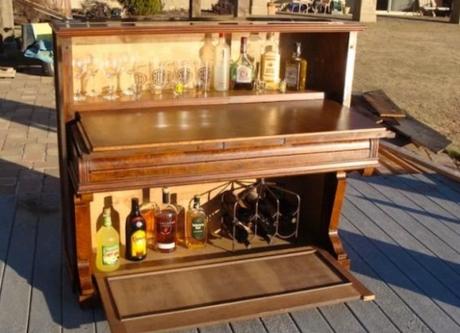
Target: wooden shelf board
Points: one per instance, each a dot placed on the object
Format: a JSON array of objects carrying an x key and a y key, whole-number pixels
[
  {"x": 167, "y": 99},
  {"x": 215, "y": 127}
]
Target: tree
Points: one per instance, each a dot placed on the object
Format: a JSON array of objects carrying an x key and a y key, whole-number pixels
[{"x": 142, "y": 7}]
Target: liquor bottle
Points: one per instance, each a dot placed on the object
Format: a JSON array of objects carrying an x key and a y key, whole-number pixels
[
  {"x": 197, "y": 225},
  {"x": 148, "y": 209},
  {"x": 221, "y": 65},
  {"x": 242, "y": 71},
  {"x": 108, "y": 245},
  {"x": 255, "y": 47},
  {"x": 136, "y": 235},
  {"x": 208, "y": 49},
  {"x": 235, "y": 226},
  {"x": 165, "y": 220},
  {"x": 296, "y": 71},
  {"x": 270, "y": 64},
  {"x": 180, "y": 220}
]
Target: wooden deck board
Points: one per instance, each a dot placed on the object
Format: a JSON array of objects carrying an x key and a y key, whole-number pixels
[
  {"x": 405, "y": 238},
  {"x": 401, "y": 233}
]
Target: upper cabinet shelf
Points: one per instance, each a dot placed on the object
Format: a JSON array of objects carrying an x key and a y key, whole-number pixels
[
  {"x": 149, "y": 100},
  {"x": 255, "y": 24}
]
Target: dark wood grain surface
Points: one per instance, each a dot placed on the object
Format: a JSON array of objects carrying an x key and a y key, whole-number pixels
[{"x": 121, "y": 130}]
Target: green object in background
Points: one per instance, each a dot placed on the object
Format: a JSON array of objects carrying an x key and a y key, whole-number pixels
[{"x": 142, "y": 7}]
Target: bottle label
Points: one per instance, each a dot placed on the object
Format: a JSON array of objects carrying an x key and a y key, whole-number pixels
[
  {"x": 165, "y": 228},
  {"x": 138, "y": 244},
  {"x": 198, "y": 228},
  {"x": 271, "y": 68},
  {"x": 110, "y": 254},
  {"x": 243, "y": 74},
  {"x": 291, "y": 76}
]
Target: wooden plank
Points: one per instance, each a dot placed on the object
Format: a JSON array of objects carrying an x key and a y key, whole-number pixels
[
  {"x": 388, "y": 271},
  {"x": 371, "y": 317},
  {"x": 341, "y": 319},
  {"x": 452, "y": 185},
  {"x": 427, "y": 216},
  {"x": 219, "y": 328},
  {"x": 248, "y": 326},
  {"x": 16, "y": 288},
  {"x": 280, "y": 323},
  {"x": 448, "y": 172},
  {"x": 310, "y": 321},
  {"x": 45, "y": 307},
  {"x": 402, "y": 237},
  {"x": 7, "y": 212},
  {"x": 423, "y": 280},
  {"x": 398, "y": 206},
  {"x": 382, "y": 104},
  {"x": 421, "y": 134},
  {"x": 387, "y": 300}
]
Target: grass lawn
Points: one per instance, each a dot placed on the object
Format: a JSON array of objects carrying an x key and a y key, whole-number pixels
[{"x": 417, "y": 63}]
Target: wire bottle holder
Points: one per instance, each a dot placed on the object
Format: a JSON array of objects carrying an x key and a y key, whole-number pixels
[{"x": 264, "y": 209}]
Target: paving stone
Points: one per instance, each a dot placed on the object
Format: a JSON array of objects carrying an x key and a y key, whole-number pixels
[{"x": 34, "y": 152}]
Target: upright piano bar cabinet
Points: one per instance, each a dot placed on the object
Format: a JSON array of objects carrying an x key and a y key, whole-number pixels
[{"x": 120, "y": 138}]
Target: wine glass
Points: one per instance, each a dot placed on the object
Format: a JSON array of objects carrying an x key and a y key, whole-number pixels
[
  {"x": 139, "y": 80},
  {"x": 203, "y": 76},
  {"x": 93, "y": 69},
  {"x": 111, "y": 67},
  {"x": 159, "y": 76},
  {"x": 79, "y": 67}
]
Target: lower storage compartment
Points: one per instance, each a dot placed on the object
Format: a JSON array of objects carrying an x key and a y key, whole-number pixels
[{"x": 180, "y": 294}]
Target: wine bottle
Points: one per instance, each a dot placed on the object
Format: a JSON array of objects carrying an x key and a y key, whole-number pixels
[
  {"x": 197, "y": 225},
  {"x": 242, "y": 71},
  {"x": 165, "y": 220},
  {"x": 136, "y": 233},
  {"x": 296, "y": 71},
  {"x": 108, "y": 245},
  {"x": 221, "y": 65}
]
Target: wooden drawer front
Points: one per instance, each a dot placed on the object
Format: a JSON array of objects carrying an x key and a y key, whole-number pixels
[
  {"x": 243, "y": 287},
  {"x": 174, "y": 169}
]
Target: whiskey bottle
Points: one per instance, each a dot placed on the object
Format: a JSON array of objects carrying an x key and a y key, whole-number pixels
[
  {"x": 136, "y": 235},
  {"x": 270, "y": 64},
  {"x": 108, "y": 245},
  {"x": 148, "y": 209},
  {"x": 196, "y": 227},
  {"x": 296, "y": 71},
  {"x": 165, "y": 220},
  {"x": 242, "y": 71},
  {"x": 221, "y": 65}
]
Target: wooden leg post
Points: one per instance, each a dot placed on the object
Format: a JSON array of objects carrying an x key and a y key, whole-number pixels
[
  {"x": 83, "y": 246},
  {"x": 337, "y": 202}
]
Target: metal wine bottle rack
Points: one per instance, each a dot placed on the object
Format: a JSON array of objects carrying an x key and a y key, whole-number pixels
[{"x": 278, "y": 222}]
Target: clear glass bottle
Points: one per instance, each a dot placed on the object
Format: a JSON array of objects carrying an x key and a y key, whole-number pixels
[
  {"x": 221, "y": 65},
  {"x": 270, "y": 64},
  {"x": 136, "y": 235},
  {"x": 148, "y": 209},
  {"x": 242, "y": 70},
  {"x": 108, "y": 245},
  {"x": 165, "y": 220},
  {"x": 296, "y": 71},
  {"x": 197, "y": 225}
]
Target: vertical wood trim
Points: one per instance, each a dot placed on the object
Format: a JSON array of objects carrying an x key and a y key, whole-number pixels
[
  {"x": 337, "y": 246},
  {"x": 350, "y": 68},
  {"x": 243, "y": 8},
  {"x": 83, "y": 245},
  {"x": 194, "y": 8},
  {"x": 455, "y": 12}
]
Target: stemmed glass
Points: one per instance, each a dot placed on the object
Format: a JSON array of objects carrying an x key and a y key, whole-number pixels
[
  {"x": 79, "y": 67},
  {"x": 111, "y": 69},
  {"x": 159, "y": 76},
  {"x": 92, "y": 70}
]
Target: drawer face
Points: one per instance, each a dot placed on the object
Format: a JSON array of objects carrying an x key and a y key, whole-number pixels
[{"x": 215, "y": 291}]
